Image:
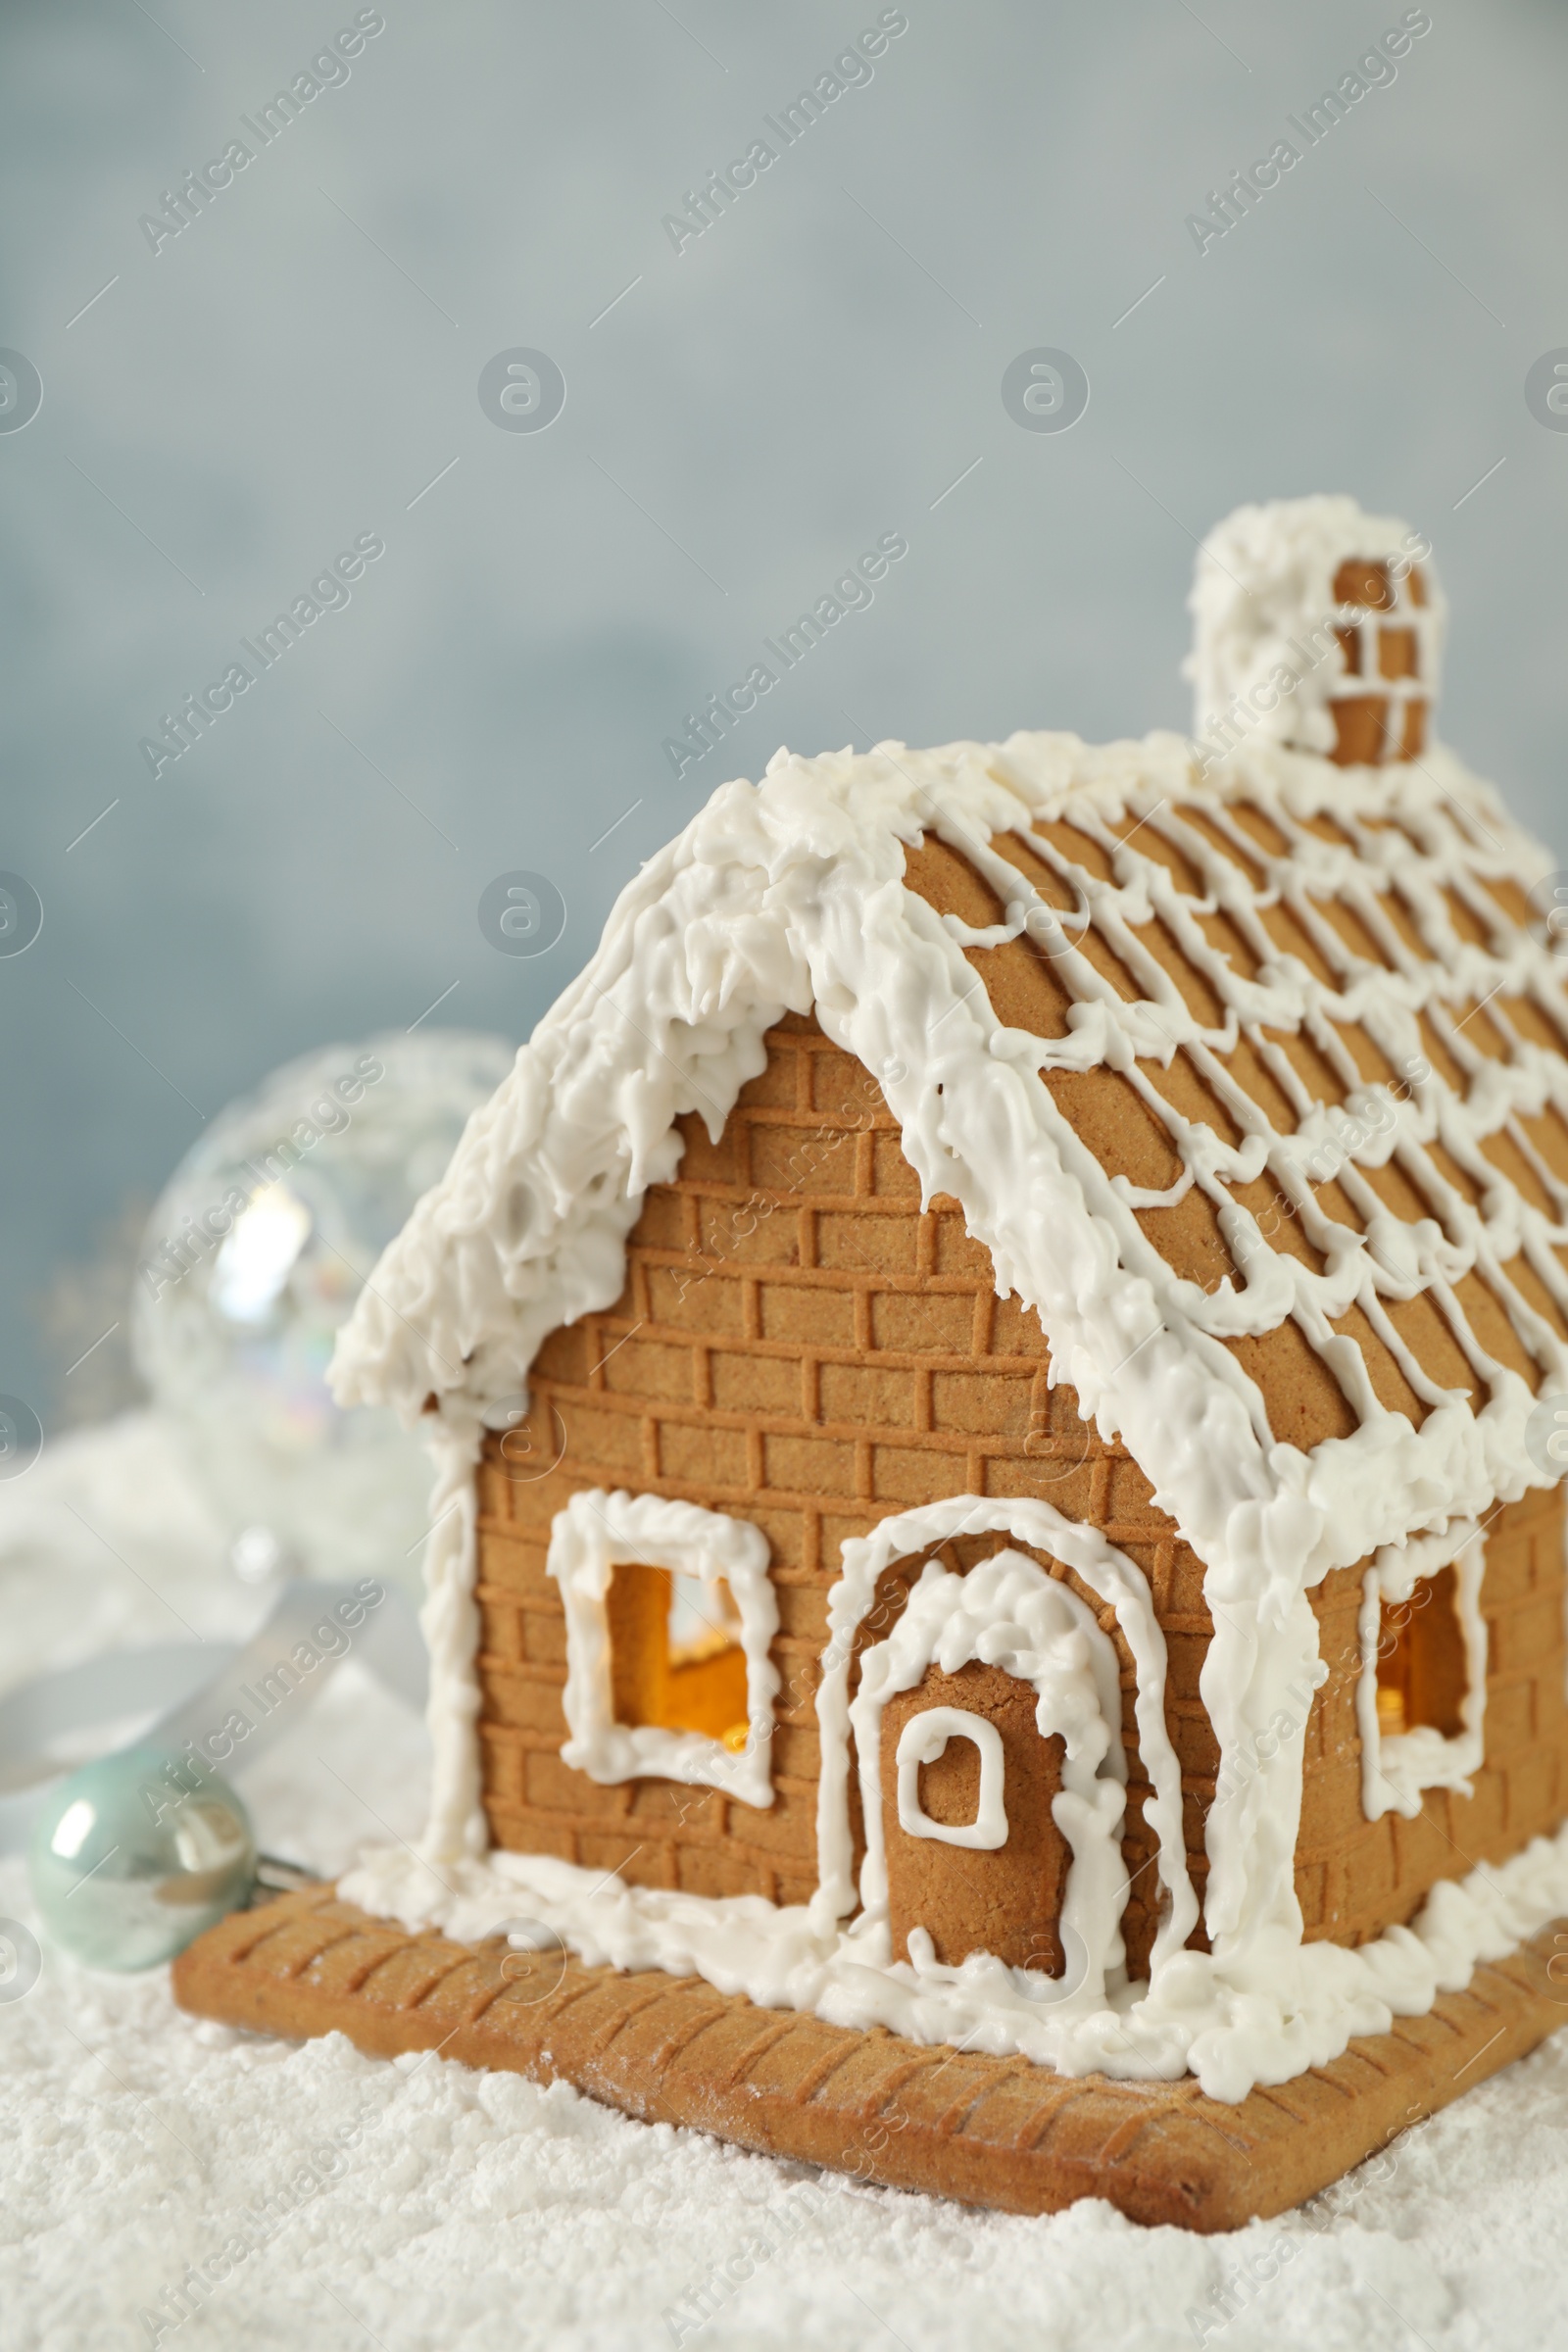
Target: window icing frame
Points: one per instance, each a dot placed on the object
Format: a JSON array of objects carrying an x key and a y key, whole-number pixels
[
  {"x": 1396, "y": 1771},
  {"x": 922, "y": 1741},
  {"x": 598, "y": 1532}
]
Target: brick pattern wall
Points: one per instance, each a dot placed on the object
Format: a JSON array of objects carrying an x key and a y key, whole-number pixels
[
  {"x": 1355, "y": 1877},
  {"x": 800, "y": 1345}
]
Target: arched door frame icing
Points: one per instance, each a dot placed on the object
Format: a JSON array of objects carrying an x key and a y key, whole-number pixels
[
  {"x": 1109, "y": 1574},
  {"x": 1008, "y": 1613}
]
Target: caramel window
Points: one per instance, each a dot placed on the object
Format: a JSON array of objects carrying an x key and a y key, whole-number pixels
[
  {"x": 675, "y": 1655},
  {"x": 1422, "y": 1669}
]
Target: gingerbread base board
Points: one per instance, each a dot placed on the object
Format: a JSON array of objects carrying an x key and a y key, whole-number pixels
[{"x": 993, "y": 2132}]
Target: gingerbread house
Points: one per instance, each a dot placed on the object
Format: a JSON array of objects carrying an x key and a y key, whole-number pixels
[{"x": 992, "y": 1373}]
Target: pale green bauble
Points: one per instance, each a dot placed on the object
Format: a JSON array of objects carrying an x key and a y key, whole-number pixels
[{"x": 135, "y": 1855}]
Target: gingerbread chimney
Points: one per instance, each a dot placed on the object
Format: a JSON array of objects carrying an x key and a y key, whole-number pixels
[{"x": 1317, "y": 626}]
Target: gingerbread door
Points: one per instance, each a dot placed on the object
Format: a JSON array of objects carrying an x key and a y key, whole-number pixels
[{"x": 973, "y": 1854}]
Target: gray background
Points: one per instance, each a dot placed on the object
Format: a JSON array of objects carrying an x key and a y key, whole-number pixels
[{"x": 753, "y": 413}]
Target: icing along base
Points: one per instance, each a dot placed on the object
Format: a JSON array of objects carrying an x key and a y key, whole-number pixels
[{"x": 1288, "y": 2008}]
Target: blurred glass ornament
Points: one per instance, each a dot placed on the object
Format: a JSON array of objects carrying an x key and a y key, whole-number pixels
[
  {"x": 256, "y": 1557},
  {"x": 135, "y": 1855},
  {"x": 252, "y": 1258}
]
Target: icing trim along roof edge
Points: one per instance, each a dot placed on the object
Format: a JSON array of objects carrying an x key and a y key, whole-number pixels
[{"x": 789, "y": 896}]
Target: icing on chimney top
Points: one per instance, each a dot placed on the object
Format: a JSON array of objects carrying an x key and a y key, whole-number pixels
[{"x": 1319, "y": 626}]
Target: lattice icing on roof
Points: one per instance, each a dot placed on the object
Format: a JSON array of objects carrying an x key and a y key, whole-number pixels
[
  {"x": 1361, "y": 1072},
  {"x": 1288, "y": 971},
  {"x": 1315, "y": 625}
]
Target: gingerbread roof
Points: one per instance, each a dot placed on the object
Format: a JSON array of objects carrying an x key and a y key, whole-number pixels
[{"x": 1244, "y": 1065}]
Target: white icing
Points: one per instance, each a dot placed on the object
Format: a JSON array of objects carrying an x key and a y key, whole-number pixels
[
  {"x": 1286, "y": 2008},
  {"x": 922, "y": 1741},
  {"x": 1395, "y": 1770},
  {"x": 1007, "y": 1612},
  {"x": 1263, "y": 604},
  {"x": 589, "y": 1538},
  {"x": 450, "y": 1623},
  {"x": 789, "y": 895}
]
